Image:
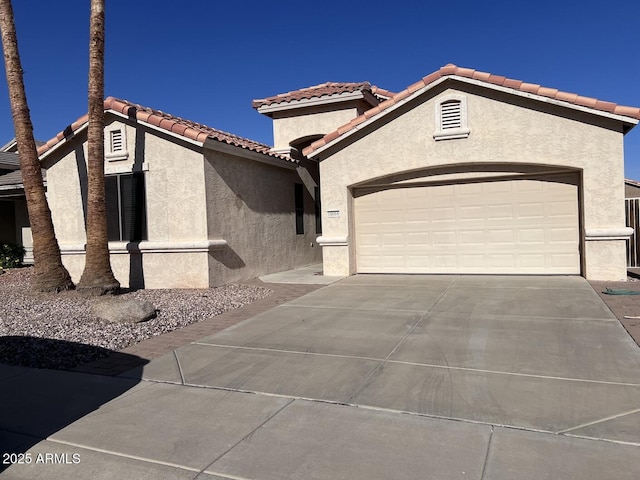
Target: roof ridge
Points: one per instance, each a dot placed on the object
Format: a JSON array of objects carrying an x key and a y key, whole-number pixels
[
  {"x": 451, "y": 69},
  {"x": 180, "y": 126}
]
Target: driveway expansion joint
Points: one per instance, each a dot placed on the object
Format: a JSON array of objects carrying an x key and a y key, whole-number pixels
[
  {"x": 175, "y": 355},
  {"x": 123, "y": 455},
  {"x": 486, "y": 458},
  {"x": 248, "y": 435},
  {"x": 602, "y": 420}
]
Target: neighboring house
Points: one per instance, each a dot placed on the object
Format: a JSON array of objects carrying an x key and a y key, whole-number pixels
[
  {"x": 469, "y": 172},
  {"x": 188, "y": 205},
  {"x": 632, "y": 215},
  {"x": 14, "y": 219},
  {"x": 631, "y": 188}
]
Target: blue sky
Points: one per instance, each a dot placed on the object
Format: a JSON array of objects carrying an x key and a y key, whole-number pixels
[{"x": 205, "y": 60}]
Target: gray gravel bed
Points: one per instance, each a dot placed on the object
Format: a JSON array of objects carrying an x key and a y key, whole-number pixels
[{"x": 58, "y": 331}]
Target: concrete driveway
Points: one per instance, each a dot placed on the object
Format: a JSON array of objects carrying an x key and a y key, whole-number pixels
[{"x": 391, "y": 377}]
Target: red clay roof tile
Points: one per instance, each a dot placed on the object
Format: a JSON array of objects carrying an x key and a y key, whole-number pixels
[
  {"x": 180, "y": 126},
  {"x": 547, "y": 92},
  {"x": 316, "y": 91},
  {"x": 484, "y": 76},
  {"x": 512, "y": 83},
  {"x": 451, "y": 69},
  {"x": 414, "y": 87},
  {"x": 381, "y": 92},
  {"x": 497, "y": 79}
]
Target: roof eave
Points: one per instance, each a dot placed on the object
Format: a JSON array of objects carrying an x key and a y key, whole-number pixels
[
  {"x": 541, "y": 98},
  {"x": 64, "y": 141},
  {"x": 312, "y": 102},
  {"x": 223, "y": 147},
  {"x": 630, "y": 122}
]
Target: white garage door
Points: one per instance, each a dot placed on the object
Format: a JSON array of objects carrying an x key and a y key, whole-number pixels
[{"x": 523, "y": 226}]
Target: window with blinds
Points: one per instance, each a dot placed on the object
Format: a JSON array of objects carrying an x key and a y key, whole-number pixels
[{"x": 126, "y": 207}]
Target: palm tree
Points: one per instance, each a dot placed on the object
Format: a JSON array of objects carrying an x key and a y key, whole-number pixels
[
  {"x": 49, "y": 273},
  {"x": 97, "y": 276}
]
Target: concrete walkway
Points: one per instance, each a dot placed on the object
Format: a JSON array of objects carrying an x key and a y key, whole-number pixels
[{"x": 371, "y": 377}]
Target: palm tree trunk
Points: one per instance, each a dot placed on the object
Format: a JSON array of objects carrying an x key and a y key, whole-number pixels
[
  {"x": 50, "y": 275},
  {"x": 97, "y": 277}
]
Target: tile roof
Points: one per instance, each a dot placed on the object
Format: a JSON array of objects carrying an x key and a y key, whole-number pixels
[
  {"x": 453, "y": 70},
  {"x": 316, "y": 91},
  {"x": 381, "y": 93},
  {"x": 179, "y": 126}
]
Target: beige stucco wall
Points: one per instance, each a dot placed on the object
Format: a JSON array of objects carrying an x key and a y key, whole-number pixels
[
  {"x": 502, "y": 131},
  {"x": 291, "y": 125},
  {"x": 175, "y": 206},
  {"x": 251, "y": 206},
  {"x": 191, "y": 204}
]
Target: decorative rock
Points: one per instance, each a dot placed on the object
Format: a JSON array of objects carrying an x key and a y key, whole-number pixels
[{"x": 123, "y": 310}]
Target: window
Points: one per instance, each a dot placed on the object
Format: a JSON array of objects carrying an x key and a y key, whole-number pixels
[
  {"x": 126, "y": 209},
  {"x": 451, "y": 118},
  {"x": 299, "y": 202},
  {"x": 316, "y": 192}
]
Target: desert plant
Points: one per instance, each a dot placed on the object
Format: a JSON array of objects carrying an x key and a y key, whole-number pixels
[{"x": 11, "y": 255}]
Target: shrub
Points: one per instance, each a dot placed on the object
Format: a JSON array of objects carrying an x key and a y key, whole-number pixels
[{"x": 11, "y": 255}]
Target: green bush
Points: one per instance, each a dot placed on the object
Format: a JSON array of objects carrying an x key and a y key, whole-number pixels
[{"x": 11, "y": 255}]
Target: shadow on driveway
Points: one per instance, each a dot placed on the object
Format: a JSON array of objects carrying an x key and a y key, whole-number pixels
[{"x": 38, "y": 402}]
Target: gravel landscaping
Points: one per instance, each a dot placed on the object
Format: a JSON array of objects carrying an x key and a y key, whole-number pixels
[{"x": 58, "y": 330}]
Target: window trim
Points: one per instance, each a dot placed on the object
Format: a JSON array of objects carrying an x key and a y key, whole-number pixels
[{"x": 450, "y": 133}]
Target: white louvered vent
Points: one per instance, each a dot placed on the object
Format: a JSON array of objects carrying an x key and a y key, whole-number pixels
[
  {"x": 451, "y": 117},
  {"x": 451, "y": 114},
  {"x": 117, "y": 141}
]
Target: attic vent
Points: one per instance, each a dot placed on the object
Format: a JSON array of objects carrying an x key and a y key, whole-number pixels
[
  {"x": 451, "y": 117},
  {"x": 451, "y": 114},
  {"x": 117, "y": 142},
  {"x": 115, "y": 139}
]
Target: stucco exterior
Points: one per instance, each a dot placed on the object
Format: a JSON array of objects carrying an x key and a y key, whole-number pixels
[
  {"x": 211, "y": 217},
  {"x": 507, "y": 133},
  {"x": 252, "y": 211},
  {"x": 291, "y": 126}
]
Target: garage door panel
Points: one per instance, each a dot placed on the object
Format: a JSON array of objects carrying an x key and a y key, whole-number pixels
[{"x": 514, "y": 226}]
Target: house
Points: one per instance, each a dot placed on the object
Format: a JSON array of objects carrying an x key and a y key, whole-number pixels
[
  {"x": 463, "y": 172},
  {"x": 631, "y": 188},
  {"x": 187, "y": 205},
  {"x": 469, "y": 172}
]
